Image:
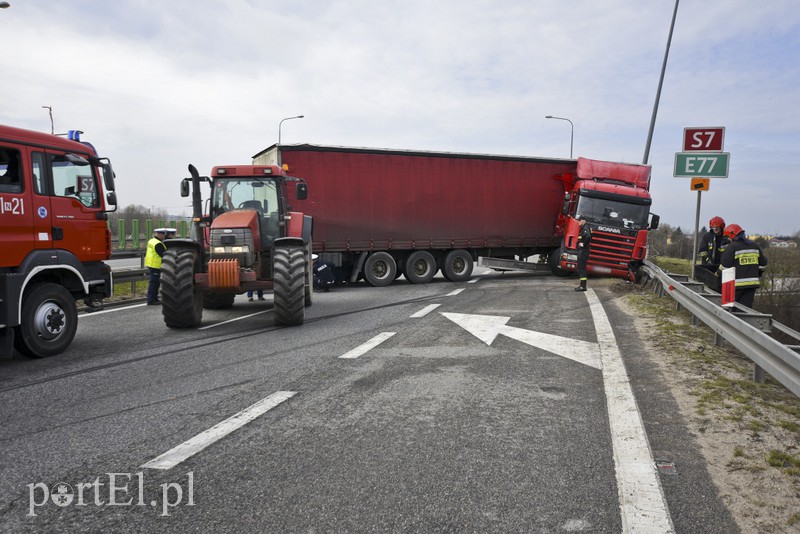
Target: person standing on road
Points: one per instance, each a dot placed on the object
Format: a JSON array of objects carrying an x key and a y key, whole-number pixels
[
  {"x": 260, "y": 293},
  {"x": 713, "y": 244},
  {"x": 152, "y": 260},
  {"x": 584, "y": 239},
  {"x": 749, "y": 261}
]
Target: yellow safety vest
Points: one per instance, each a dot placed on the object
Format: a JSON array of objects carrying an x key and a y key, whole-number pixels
[{"x": 151, "y": 258}]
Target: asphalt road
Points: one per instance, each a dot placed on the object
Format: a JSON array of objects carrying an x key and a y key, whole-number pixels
[{"x": 492, "y": 406}]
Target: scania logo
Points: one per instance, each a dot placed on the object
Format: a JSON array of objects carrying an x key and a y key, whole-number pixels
[{"x": 607, "y": 229}]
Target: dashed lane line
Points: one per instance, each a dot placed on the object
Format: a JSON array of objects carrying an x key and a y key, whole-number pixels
[
  {"x": 369, "y": 345},
  {"x": 424, "y": 311}
]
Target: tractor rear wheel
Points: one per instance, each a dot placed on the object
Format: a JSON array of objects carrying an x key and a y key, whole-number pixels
[
  {"x": 289, "y": 270},
  {"x": 181, "y": 301}
]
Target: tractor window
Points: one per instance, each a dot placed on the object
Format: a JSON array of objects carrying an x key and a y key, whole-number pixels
[
  {"x": 10, "y": 171},
  {"x": 73, "y": 179},
  {"x": 245, "y": 193}
]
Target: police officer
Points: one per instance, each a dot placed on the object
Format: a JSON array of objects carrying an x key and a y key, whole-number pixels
[
  {"x": 152, "y": 260},
  {"x": 584, "y": 239},
  {"x": 749, "y": 261},
  {"x": 713, "y": 244}
]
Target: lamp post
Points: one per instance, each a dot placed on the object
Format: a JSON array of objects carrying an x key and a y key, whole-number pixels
[
  {"x": 571, "y": 130},
  {"x": 281, "y": 123}
]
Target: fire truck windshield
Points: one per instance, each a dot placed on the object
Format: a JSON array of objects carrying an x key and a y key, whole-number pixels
[
  {"x": 612, "y": 212},
  {"x": 245, "y": 193}
]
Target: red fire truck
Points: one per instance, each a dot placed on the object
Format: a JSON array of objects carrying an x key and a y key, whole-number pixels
[{"x": 55, "y": 193}]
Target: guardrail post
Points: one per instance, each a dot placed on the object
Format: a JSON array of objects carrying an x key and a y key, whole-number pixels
[{"x": 758, "y": 374}]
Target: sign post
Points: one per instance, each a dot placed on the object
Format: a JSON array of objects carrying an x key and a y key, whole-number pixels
[{"x": 702, "y": 158}]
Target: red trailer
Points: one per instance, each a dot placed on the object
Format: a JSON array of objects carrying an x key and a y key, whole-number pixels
[{"x": 380, "y": 213}]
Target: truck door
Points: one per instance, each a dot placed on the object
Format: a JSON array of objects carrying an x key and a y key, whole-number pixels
[
  {"x": 16, "y": 210},
  {"x": 76, "y": 207}
]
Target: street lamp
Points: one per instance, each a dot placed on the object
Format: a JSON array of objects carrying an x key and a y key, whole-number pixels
[
  {"x": 281, "y": 123},
  {"x": 571, "y": 130}
]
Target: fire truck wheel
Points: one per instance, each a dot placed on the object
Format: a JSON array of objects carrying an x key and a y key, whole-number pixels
[
  {"x": 218, "y": 301},
  {"x": 457, "y": 266},
  {"x": 380, "y": 269},
  {"x": 420, "y": 267},
  {"x": 555, "y": 264},
  {"x": 289, "y": 271},
  {"x": 49, "y": 321},
  {"x": 181, "y": 302}
]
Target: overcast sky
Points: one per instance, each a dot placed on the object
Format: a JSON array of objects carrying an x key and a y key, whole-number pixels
[{"x": 156, "y": 85}]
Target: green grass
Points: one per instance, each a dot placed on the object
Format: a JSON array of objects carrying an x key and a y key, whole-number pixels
[{"x": 673, "y": 265}]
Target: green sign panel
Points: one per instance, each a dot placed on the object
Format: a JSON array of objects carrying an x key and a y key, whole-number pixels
[{"x": 702, "y": 164}]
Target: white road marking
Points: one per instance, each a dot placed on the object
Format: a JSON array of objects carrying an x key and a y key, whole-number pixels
[
  {"x": 488, "y": 327},
  {"x": 369, "y": 345},
  {"x": 474, "y": 280},
  {"x": 234, "y": 319},
  {"x": 89, "y": 314},
  {"x": 188, "y": 448},
  {"x": 455, "y": 292},
  {"x": 641, "y": 498},
  {"x": 425, "y": 311}
]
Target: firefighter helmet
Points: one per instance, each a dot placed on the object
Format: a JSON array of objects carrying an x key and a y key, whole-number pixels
[
  {"x": 716, "y": 222},
  {"x": 732, "y": 230}
]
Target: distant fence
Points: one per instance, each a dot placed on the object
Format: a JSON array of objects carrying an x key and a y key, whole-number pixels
[{"x": 135, "y": 237}]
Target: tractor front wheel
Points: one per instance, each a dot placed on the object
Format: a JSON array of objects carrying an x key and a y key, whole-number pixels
[
  {"x": 181, "y": 301},
  {"x": 289, "y": 292}
]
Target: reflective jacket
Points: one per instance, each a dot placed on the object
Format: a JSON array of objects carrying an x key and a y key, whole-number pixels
[
  {"x": 155, "y": 249},
  {"x": 711, "y": 248},
  {"x": 749, "y": 260}
]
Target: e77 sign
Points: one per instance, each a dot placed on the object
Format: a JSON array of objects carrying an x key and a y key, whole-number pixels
[
  {"x": 704, "y": 139},
  {"x": 702, "y": 164}
]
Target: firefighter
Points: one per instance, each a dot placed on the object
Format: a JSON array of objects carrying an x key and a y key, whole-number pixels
[
  {"x": 152, "y": 260},
  {"x": 584, "y": 239},
  {"x": 713, "y": 244},
  {"x": 749, "y": 261}
]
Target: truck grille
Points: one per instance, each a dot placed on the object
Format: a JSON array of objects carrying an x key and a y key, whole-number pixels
[{"x": 611, "y": 251}]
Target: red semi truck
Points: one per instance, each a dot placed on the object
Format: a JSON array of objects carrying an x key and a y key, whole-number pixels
[
  {"x": 380, "y": 213},
  {"x": 54, "y": 237}
]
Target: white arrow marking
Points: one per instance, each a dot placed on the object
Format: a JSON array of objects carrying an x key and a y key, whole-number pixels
[{"x": 488, "y": 327}]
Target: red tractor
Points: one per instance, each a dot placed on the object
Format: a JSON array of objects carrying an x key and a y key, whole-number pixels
[{"x": 246, "y": 239}]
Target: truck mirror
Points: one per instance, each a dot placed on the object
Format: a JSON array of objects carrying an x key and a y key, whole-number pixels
[
  {"x": 108, "y": 176},
  {"x": 185, "y": 187},
  {"x": 302, "y": 191},
  {"x": 654, "y": 220},
  {"x": 111, "y": 198}
]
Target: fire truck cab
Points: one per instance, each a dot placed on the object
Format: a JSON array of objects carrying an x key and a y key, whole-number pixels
[{"x": 55, "y": 193}]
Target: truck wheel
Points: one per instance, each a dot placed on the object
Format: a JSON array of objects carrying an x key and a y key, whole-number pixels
[
  {"x": 49, "y": 321},
  {"x": 380, "y": 269},
  {"x": 554, "y": 260},
  {"x": 420, "y": 267},
  {"x": 218, "y": 301},
  {"x": 289, "y": 271},
  {"x": 457, "y": 266},
  {"x": 181, "y": 301}
]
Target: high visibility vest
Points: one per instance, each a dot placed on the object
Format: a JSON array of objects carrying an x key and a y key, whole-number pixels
[{"x": 151, "y": 258}]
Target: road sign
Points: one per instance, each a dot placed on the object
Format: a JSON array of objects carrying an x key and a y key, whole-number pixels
[
  {"x": 710, "y": 139},
  {"x": 700, "y": 184},
  {"x": 702, "y": 164}
]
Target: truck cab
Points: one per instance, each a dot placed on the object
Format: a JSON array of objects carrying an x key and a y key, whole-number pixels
[{"x": 54, "y": 195}]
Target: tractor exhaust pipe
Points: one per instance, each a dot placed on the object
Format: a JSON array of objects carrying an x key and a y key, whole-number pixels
[{"x": 197, "y": 205}]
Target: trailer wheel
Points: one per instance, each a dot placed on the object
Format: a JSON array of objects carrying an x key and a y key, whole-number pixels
[
  {"x": 420, "y": 267},
  {"x": 49, "y": 321},
  {"x": 181, "y": 301},
  {"x": 289, "y": 271},
  {"x": 458, "y": 265},
  {"x": 218, "y": 301},
  {"x": 554, "y": 260},
  {"x": 380, "y": 269}
]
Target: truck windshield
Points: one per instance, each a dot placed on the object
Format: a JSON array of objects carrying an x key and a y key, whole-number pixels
[
  {"x": 245, "y": 193},
  {"x": 612, "y": 212}
]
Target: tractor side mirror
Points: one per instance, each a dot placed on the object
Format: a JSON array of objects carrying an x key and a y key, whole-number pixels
[
  {"x": 301, "y": 191},
  {"x": 185, "y": 187}
]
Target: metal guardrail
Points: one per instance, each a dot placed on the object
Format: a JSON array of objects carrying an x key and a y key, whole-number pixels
[{"x": 746, "y": 329}]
